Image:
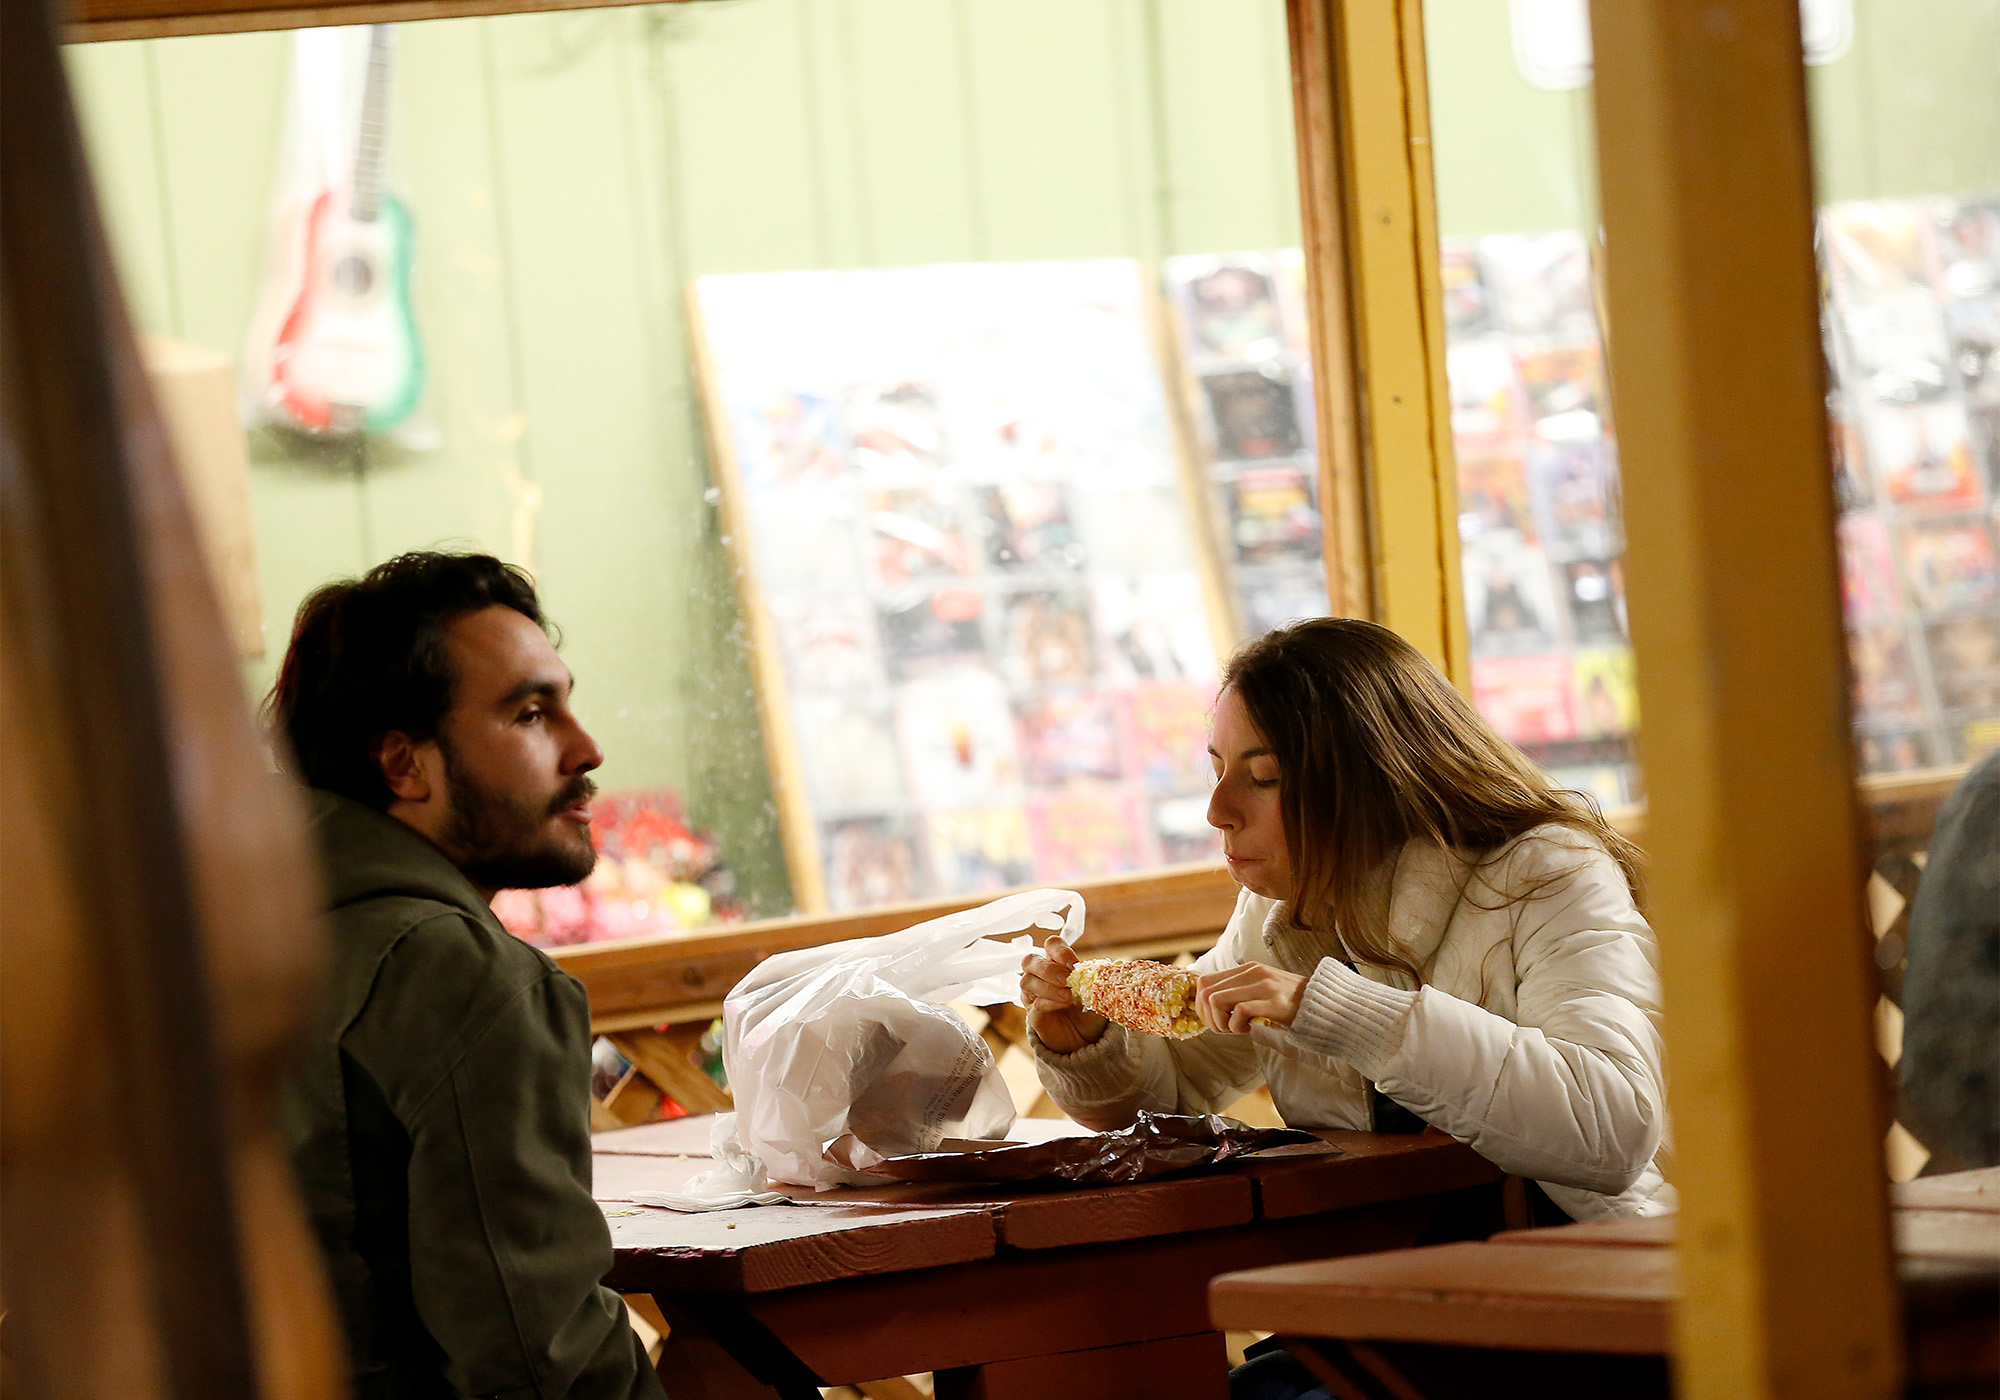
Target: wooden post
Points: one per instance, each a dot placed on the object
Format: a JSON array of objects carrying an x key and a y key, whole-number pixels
[
  {"x": 1719, "y": 398},
  {"x": 159, "y": 945},
  {"x": 1388, "y": 480}
]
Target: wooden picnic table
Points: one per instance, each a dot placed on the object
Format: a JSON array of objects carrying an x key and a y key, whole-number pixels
[
  {"x": 1004, "y": 1291},
  {"x": 1587, "y": 1309}
]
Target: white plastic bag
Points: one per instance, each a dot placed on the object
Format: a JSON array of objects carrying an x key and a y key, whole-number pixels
[{"x": 842, "y": 1055}]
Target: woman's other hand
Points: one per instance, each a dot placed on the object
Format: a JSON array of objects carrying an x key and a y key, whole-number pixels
[
  {"x": 1053, "y": 1013},
  {"x": 1231, "y": 1000}
]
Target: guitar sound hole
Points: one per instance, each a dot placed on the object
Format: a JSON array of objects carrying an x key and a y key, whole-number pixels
[{"x": 352, "y": 276}]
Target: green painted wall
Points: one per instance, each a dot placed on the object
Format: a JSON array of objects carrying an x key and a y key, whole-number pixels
[{"x": 570, "y": 173}]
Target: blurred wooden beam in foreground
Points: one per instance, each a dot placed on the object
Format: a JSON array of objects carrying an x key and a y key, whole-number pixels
[
  {"x": 159, "y": 930},
  {"x": 1718, "y": 392}
]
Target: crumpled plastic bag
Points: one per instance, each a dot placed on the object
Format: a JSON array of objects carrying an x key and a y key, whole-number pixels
[
  {"x": 1156, "y": 1144},
  {"x": 735, "y": 1179},
  {"x": 844, "y": 1055}
]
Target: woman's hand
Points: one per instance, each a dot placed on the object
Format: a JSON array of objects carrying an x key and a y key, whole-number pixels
[
  {"x": 1231, "y": 1000},
  {"x": 1053, "y": 1013}
]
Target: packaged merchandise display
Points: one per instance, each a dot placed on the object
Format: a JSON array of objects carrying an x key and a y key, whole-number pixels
[
  {"x": 1247, "y": 377},
  {"x": 963, "y": 510},
  {"x": 1540, "y": 517},
  {"x": 1913, "y": 353}
]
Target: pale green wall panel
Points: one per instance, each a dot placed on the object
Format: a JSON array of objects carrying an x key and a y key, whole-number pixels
[
  {"x": 907, "y": 106},
  {"x": 747, "y": 161},
  {"x": 1232, "y": 177},
  {"x": 115, "y": 96},
  {"x": 470, "y": 486},
  {"x": 309, "y": 532},
  {"x": 826, "y": 90},
  {"x": 222, "y": 105},
  {"x": 581, "y": 282},
  {"x": 1914, "y": 107},
  {"x": 1509, "y": 158},
  {"x": 1058, "y": 156}
]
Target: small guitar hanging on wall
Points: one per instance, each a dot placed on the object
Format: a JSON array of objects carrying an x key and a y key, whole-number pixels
[{"x": 334, "y": 349}]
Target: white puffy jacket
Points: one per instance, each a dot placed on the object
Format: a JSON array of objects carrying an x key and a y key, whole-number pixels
[{"x": 1534, "y": 1037}]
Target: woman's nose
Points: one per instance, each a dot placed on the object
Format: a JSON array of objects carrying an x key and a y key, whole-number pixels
[{"x": 1220, "y": 814}]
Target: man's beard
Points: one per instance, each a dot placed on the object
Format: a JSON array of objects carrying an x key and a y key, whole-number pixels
[{"x": 503, "y": 843}]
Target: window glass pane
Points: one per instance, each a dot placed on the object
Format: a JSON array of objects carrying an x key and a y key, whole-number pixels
[
  {"x": 1906, "y": 150},
  {"x": 558, "y": 187},
  {"x": 1539, "y": 508}
]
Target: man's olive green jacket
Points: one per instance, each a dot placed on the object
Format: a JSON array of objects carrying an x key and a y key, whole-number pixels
[{"x": 440, "y": 1124}]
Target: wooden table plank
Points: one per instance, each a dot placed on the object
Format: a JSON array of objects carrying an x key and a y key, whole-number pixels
[
  {"x": 1028, "y": 1217},
  {"x": 689, "y": 1136},
  {"x": 1024, "y": 1303},
  {"x": 1974, "y": 1190},
  {"x": 762, "y": 1248},
  {"x": 1536, "y": 1297},
  {"x": 1948, "y": 1234},
  {"x": 1363, "y": 1168},
  {"x": 672, "y": 1137},
  {"x": 1637, "y": 1231}
]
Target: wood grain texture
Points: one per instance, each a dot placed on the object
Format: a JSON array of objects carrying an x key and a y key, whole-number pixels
[
  {"x": 1173, "y": 1368},
  {"x": 763, "y": 1248},
  {"x": 1939, "y": 1233},
  {"x": 1343, "y": 489},
  {"x": 1641, "y": 1232},
  {"x": 1532, "y": 1297},
  {"x": 106, "y": 20},
  {"x": 1031, "y": 1216},
  {"x": 160, "y": 890},
  {"x": 1024, "y": 1303},
  {"x": 643, "y": 981},
  {"x": 675, "y": 1137},
  {"x": 668, "y": 1059},
  {"x": 1947, "y": 1234},
  {"x": 1973, "y": 1190},
  {"x": 1363, "y": 1169},
  {"x": 1705, "y": 162}
]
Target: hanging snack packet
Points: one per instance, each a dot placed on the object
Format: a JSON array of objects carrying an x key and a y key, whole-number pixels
[{"x": 1141, "y": 996}]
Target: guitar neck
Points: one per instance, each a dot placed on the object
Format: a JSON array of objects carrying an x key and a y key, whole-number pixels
[{"x": 367, "y": 200}]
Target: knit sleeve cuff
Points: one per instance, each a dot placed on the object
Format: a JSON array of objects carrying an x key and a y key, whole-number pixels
[
  {"x": 1102, "y": 1072},
  {"x": 1346, "y": 1015}
]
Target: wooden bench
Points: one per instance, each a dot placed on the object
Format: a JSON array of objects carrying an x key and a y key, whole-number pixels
[{"x": 1587, "y": 1309}]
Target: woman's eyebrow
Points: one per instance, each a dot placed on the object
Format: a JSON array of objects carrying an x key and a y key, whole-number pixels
[{"x": 1243, "y": 757}]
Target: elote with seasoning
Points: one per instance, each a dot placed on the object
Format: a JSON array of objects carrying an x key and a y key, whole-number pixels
[{"x": 1141, "y": 996}]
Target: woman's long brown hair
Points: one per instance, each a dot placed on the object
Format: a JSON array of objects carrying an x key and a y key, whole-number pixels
[{"x": 1374, "y": 748}]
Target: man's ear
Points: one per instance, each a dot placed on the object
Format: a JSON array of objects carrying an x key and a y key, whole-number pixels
[{"x": 407, "y": 765}]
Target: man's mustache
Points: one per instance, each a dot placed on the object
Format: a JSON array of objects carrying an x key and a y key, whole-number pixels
[{"x": 576, "y": 790}]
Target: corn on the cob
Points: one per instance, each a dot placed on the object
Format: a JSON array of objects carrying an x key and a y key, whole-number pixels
[{"x": 1142, "y": 996}]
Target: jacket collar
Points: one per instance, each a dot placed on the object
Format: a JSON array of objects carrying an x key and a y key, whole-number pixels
[
  {"x": 368, "y": 854},
  {"x": 1419, "y": 889}
]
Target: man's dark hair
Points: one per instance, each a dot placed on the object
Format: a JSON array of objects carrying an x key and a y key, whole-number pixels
[{"x": 368, "y": 658}]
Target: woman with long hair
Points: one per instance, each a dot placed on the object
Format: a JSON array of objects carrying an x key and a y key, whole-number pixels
[{"x": 1426, "y": 927}]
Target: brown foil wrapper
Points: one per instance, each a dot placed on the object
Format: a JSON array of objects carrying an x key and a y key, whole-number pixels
[{"x": 1157, "y": 1144}]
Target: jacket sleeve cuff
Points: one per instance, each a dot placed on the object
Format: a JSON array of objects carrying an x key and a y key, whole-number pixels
[
  {"x": 1345, "y": 1015},
  {"x": 1102, "y": 1072}
]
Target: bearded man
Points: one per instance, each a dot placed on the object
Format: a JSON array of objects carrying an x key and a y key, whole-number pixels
[{"x": 440, "y": 1117}]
